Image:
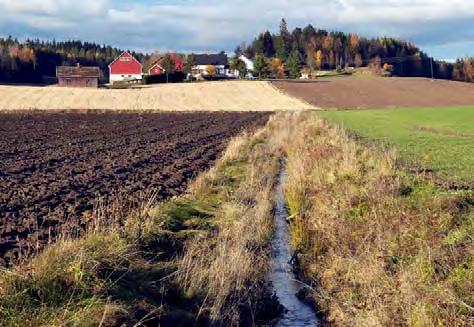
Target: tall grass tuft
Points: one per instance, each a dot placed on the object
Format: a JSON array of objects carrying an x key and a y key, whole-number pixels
[
  {"x": 228, "y": 267},
  {"x": 382, "y": 247}
]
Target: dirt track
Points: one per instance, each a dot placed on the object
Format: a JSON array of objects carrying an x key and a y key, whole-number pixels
[
  {"x": 349, "y": 92},
  {"x": 207, "y": 96},
  {"x": 55, "y": 167}
]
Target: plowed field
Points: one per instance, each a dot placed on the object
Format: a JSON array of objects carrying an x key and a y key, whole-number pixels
[
  {"x": 363, "y": 93},
  {"x": 56, "y": 169}
]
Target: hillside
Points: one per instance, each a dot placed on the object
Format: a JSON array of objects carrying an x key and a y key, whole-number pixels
[
  {"x": 210, "y": 96},
  {"x": 286, "y": 53}
]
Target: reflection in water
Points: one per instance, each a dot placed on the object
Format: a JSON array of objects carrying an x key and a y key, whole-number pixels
[{"x": 282, "y": 277}]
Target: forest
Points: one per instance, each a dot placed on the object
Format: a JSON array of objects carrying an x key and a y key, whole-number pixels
[
  {"x": 285, "y": 53},
  {"x": 35, "y": 61}
]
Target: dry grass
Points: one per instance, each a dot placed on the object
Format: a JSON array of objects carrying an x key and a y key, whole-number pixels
[
  {"x": 228, "y": 267},
  {"x": 126, "y": 274},
  {"x": 209, "y": 96},
  {"x": 382, "y": 248}
]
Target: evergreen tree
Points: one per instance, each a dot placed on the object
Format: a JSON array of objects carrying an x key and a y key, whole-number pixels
[
  {"x": 260, "y": 66},
  {"x": 267, "y": 43},
  {"x": 293, "y": 64}
]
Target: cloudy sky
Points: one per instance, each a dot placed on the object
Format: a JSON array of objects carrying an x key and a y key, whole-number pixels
[{"x": 443, "y": 28}]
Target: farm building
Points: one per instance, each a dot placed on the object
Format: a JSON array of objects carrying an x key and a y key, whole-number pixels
[
  {"x": 219, "y": 61},
  {"x": 156, "y": 69},
  {"x": 125, "y": 68},
  {"x": 78, "y": 76}
]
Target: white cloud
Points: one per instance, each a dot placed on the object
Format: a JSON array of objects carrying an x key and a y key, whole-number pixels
[
  {"x": 217, "y": 24},
  {"x": 65, "y": 8}
]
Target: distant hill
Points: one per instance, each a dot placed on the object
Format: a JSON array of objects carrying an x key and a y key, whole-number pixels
[{"x": 287, "y": 52}]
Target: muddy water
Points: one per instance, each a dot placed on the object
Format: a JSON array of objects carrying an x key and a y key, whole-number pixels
[{"x": 282, "y": 277}]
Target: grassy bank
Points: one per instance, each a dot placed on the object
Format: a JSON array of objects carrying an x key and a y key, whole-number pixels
[
  {"x": 438, "y": 139},
  {"x": 197, "y": 259},
  {"x": 379, "y": 246}
]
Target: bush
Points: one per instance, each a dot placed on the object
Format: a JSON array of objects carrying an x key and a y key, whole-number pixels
[{"x": 177, "y": 77}]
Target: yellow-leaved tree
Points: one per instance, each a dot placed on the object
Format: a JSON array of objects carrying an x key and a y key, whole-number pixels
[
  {"x": 319, "y": 59},
  {"x": 211, "y": 70}
]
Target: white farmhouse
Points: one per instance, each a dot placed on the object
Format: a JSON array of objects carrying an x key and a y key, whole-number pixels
[{"x": 219, "y": 61}]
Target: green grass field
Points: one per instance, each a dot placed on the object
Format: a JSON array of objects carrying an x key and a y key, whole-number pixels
[{"x": 441, "y": 139}]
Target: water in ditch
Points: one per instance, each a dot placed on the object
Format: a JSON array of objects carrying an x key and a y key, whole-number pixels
[{"x": 284, "y": 281}]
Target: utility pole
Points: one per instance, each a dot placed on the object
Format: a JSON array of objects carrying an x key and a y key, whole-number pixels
[{"x": 432, "y": 70}]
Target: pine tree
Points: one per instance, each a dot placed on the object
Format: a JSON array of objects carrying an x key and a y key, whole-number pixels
[
  {"x": 293, "y": 64},
  {"x": 260, "y": 65}
]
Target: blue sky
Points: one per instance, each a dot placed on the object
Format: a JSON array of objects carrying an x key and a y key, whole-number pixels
[{"x": 443, "y": 28}]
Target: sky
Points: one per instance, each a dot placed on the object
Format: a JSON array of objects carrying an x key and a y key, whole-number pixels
[{"x": 442, "y": 28}]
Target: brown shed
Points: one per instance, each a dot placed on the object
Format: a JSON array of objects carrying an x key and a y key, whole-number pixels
[{"x": 78, "y": 76}]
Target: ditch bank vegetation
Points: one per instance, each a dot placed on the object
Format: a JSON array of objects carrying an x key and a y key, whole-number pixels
[
  {"x": 380, "y": 247},
  {"x": 376, "y": 246},
  {"x": 198, "y": 259}
]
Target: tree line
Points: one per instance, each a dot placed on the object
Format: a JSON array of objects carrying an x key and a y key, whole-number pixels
[
  {"x": 287, "y": 54},
  {"x": 35, "y": 61}
]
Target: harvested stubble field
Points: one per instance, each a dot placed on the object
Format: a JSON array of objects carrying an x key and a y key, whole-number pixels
[
  {"x": 56, "y": 169},
  {"x": 209, "y": 96},
  {"x": 378, "y": 92}
]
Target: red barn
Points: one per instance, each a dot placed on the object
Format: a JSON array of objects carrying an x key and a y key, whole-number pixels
[
  {"x": 125, "y": 68},
  {"x": 156, "y": 69}
]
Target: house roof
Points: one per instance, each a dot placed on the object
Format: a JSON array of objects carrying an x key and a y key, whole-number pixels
[
  {"x": 157, "y": 65},
  {"x": 77, "y": 71},
  {"x": 211, "y": 59},
  {"x": 125, "y": 54}
]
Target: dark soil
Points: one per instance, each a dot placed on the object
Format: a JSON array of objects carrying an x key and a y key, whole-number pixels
[{"x": 58, "y": 169}]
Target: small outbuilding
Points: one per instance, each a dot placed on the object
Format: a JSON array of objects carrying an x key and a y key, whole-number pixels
[
  {"x": 156, "y": 69},
  {"x": 78, "y": 76}
]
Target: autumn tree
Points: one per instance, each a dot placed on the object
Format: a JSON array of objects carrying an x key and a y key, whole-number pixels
[
  {"x": 319, "y": 59},
  {"x": 168, "y": 65},
  {"x": 277, "y": 68},
  {"x": 311, "y": 60},
  {"x": 210, "y": 70},
  {"x": 189, "y": 64},
  {"x": 358, "y": 60}
]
